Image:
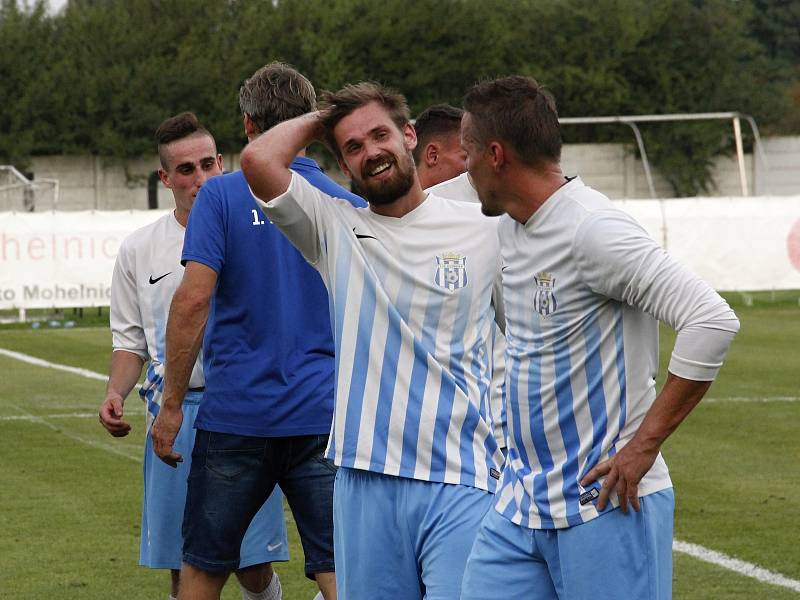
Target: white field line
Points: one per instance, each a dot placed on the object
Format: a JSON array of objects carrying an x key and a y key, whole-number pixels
[
  {"x": 77, "y": 438},
  {"x": 736, "y": 565},
  {"x": 74, "y": 415},
  {"x": 699, "y": 552},
  {"x": 32, "y": 360},
  {"x": 42, "y": 419}
]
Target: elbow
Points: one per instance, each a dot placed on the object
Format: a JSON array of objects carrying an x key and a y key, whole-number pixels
[{"x": 188, "y": 301}]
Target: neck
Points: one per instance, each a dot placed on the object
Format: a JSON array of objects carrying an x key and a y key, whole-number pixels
[
  {"x": 532, "y": 189},
  {"x": 181, "y": 216},
  {"x": 402, "y": 205}
]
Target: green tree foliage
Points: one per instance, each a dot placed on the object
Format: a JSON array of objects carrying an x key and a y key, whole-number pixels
[{"x": 101, "y": 75}]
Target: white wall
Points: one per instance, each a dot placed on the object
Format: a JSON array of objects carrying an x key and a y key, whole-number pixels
[{"x": 88, "y": 182}]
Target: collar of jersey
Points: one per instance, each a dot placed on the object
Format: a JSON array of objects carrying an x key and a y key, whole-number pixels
[
  {"x": 551, "y": 203},
  {"x": 407, "y": 219}
]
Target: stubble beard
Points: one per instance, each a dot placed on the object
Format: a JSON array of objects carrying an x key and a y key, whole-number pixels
[{"x": 388, "y": 191}]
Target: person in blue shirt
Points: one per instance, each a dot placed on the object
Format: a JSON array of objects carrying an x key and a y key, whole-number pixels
[{"x": 268, "y": 358}]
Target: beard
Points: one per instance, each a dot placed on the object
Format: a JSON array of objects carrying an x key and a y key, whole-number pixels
[
  {"x": 489, "y": 205},
  {"x": 389, "y": 190}
]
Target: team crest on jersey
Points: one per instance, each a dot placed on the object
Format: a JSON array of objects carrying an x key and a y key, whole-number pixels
[
  {"x": 451, "y": 271},
  {"x": 544, "y": 298}
]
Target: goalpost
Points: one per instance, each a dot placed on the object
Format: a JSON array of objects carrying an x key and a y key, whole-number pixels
[{"x": 20, "y": 194}]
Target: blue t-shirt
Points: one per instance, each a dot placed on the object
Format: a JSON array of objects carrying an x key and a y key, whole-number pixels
[{"x": 268, "y": 350}]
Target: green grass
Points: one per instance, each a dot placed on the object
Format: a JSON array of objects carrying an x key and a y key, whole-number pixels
[{"x": 71, "y": 494}]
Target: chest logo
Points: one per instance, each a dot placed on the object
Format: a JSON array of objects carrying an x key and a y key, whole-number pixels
[
  {"x": 544, "y": 298},
  {"x": 451, "y": 271}
]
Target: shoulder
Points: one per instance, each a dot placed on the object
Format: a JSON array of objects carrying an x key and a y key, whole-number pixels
[
  {"x": 458, "y": 188},
  {"x": 145, "y": 235},
  {"x": 309, "y": 170}
]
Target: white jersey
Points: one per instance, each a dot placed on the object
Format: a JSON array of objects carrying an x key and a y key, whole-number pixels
[
  {"x": 584, "y": 287},
  {"x": 461, "y": 188},
  {"x": 410, "y": 302},
  {"x": 147, "y": 272}
]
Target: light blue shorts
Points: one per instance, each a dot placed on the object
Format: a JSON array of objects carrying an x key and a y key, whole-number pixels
[
  {"x": 161, "y": 543},
  {"x": 610, "y": 557},
  {"x": 401, "y": 538}
]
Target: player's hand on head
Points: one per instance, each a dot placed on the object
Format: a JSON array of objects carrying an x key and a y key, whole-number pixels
[
  {"x": 111, "y": 411},
  {"x": 164, "y": 431}
]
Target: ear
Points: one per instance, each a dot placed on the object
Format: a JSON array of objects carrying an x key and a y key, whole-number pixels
[
  {"x": 409, "y": 136},
  {"x": 431, "y": 154},
  {"x": 497, "y": 155},
  {"x": 250, "y": 128},
  {"x": 220, "y": 161},
  {"x": 162, "y": 175}
]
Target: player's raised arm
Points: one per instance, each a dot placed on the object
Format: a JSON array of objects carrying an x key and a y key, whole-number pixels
[{"x": 265, "y": 161}]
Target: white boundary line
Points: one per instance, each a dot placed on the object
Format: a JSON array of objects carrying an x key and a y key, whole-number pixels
[
  {"x": 75, "y": 415},
  {"x": 734, "y": 564},
  {"x": 32, "y": 360},
  {"x": 693, "y": 550}
]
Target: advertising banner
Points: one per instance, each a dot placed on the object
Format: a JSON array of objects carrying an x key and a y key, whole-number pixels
[
  {"x": 65, "y": 259},
  {"x": 62, "y": 259}
]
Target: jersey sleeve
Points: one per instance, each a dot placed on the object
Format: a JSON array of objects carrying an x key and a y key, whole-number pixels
[
  {"x": 127, "y": 330},
  {"x": 204, "y": 241},
  {"x": 298, "y": 213},
  {"x": 616, "y": 258}
]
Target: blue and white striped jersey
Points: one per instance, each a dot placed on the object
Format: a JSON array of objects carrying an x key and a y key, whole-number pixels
[
  {"x": 584, "y": 287},
  {"x": 147, "y": 272},
  {"x": 410, "y": 307},
  {"x": 461, "y": 188}
]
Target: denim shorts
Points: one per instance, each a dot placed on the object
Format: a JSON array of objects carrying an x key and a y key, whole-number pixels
[{"x": 232, "y": 476}]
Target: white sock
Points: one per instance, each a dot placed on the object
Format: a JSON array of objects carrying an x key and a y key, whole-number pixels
[
  {"x": 171, "y": 597},
  {"x": 319, "y": 596},
  {"x": 271, "y": 592}
]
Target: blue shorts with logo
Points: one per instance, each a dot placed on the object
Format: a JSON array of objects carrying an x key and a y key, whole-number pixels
[
  {"x": 403, "y": 538},
  {"x": 613, "y": 556},
  {"x": 230, "y": 479},
  {"x": 164, "y": 499}
]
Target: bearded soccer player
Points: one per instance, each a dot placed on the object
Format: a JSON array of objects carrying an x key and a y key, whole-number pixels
[
  {"x": 584, "y": 289},
  {"x": 410, "y": 280},
  {"x": 146, "y": 275}
]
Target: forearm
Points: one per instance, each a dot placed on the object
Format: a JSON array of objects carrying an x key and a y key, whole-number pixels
[
  {"x": 265, "y": 161},
  {"x": 677, "y": 399},
  {"x": 126, "y": 367},
  {"x": 185, "y": 328}
]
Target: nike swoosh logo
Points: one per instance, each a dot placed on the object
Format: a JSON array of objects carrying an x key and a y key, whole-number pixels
[
  {"x": 360, "y": 236},
  {"x": 157, "y": 279},
  {"x": 271, "y": 547}
]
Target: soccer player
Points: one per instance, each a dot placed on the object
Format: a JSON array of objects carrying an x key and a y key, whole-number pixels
[
  {"x": 410, "y": 281},
  {"x": 438, "y": 154},
  {"x": 584, "y": 288},
  {"x": 268, "y": 358},
  {"x": 146, "y": 275}
]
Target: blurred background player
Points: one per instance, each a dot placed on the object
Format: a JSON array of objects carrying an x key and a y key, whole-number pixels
[
  {"x": 411, "y": 281},
  {"x": 438, "y": 154},
  {"x": 269, "y": 362},
  {"x": 146, "y": 275},
  {"x": 584, "y": 288}
]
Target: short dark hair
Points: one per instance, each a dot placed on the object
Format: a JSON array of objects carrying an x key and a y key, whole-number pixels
[
  {"x": 520, "y": 112},
  {"x": 436, "y": 120},
  {"x": 276, "y": 92},
  {"x": 338, "y": 105},
  {"x": 177, "y": 128}
]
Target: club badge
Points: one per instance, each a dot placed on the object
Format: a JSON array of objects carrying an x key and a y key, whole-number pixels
[
  {"x": 451, "y": 271},
  {"x": 544, "y": 298}
]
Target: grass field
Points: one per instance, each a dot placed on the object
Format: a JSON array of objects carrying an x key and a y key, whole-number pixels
[{"x": 70, "y": 494}]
